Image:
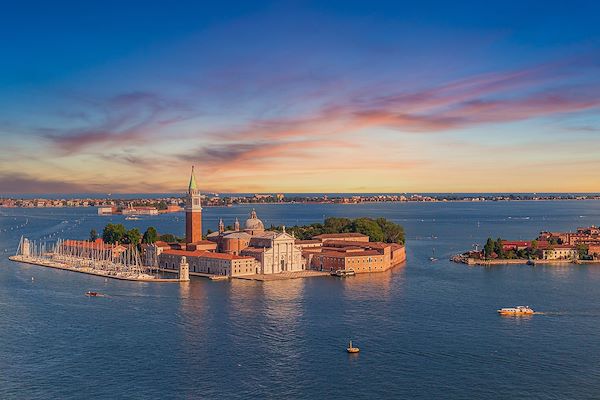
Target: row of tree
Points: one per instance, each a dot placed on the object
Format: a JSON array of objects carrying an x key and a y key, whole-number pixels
[
  {"x": 378, "y": 230},
  {"x": 113, "y": 233}
]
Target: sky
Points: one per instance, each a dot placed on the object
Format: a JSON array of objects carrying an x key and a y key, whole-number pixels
[{"x": 300, "y": 96}]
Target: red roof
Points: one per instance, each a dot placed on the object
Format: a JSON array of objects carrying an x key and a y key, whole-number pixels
[
  {"x": 516, "y": 243},
  {"x": 98, "y": 244},
  {"x": 205, "y": 254},
  {"x": 341, "y": 254},
  {"x": 339, "y": 235}
]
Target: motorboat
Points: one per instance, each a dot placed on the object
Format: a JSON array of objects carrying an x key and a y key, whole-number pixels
[
  {"x": 93, "y": 294},
  {"x": 518, "y": 310},
  {"x": 343, "y": 273}
]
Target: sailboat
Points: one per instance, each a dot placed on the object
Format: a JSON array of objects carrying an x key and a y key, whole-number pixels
[
  {"x": 433, "y": 258},
  {"x": 351, "y": 349}
]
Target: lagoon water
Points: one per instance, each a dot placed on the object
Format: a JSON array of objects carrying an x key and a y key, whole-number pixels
[{"x": 426, "y": 329}]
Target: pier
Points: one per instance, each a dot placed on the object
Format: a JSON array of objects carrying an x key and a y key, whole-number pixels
[{"x": 90, "y": 258}]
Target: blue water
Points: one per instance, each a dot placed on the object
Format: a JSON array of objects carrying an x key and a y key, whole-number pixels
[{"x": 426, "y": 330}]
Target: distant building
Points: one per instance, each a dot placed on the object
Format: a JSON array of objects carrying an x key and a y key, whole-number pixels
[
  {"x": 173, "y": 208},
  {"x": 560, "y": 253},
  {"x": 140, "y": 211},
  {"x": 107, "y": 210}
]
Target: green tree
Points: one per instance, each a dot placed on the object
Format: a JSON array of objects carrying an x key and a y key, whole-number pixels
[
  {"x": 337, "y": 225},
  {"x": 168, "y": 237},
  {"x": 582, "y": 250},
  {"x": 93, "y": 235},
  {"x": 368, "y": 227},
  {"x": 392, "y": 233},
  {"x": 132, "y": 236},
  {"x": 488, "y": 249},
  {"x": 150, "y": 236},
  {"x": 498, "y": 248},
  {"x": 114, "y": 233}
]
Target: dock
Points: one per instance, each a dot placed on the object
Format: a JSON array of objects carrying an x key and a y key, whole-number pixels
[{"x": 89, "y": 271}]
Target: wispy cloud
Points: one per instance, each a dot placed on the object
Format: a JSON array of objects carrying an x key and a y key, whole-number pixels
[
  {"x": 501, "y": 97},
  {"x": 119, "y": 120}
]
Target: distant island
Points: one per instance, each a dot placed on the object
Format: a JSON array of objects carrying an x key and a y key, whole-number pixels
[
  {"x": 161, "y": 204},
  {"x": 582, "y": 246}
]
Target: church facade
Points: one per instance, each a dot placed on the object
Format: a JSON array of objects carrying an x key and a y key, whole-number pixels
[{"x": 275, "y": 252}]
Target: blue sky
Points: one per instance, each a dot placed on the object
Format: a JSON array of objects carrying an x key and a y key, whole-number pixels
[{"x": 266, "y": 96}]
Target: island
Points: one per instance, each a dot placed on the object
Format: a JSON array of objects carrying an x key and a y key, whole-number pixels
[
  {"x": 338, "y": 246},
  {"x": 582, "y": 246}
]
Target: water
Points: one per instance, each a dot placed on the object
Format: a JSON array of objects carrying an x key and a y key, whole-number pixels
[{"x": 426, "y": 330}]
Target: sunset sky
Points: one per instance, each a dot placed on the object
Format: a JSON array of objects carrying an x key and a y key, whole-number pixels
[{"x": 300, "y": 96}]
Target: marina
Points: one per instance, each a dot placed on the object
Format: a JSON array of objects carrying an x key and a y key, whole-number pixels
[{"x": 87, "y": 258}]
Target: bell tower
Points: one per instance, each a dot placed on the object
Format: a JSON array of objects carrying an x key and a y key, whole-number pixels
[{"x": 193, "y": 212}]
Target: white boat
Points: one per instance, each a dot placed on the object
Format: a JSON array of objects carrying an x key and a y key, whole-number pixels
[
  {"x": 518, "y": 310},
  {"x": 342, "y": 273}
]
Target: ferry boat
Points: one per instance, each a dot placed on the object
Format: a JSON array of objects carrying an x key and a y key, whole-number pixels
[
  {"x": 518, "y": 310},
  {"x": 132, "y": 218},
  {"x": 343, "y": 273},
  {"x": 351, "y": 349}
]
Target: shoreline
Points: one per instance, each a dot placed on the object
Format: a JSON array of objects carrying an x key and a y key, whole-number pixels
[
  {"x": 511, "y": 261},
  {"x": 254, "y": 203}
]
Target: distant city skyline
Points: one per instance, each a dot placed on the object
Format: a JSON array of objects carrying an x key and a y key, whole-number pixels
[{"x": 292, "y": 97}]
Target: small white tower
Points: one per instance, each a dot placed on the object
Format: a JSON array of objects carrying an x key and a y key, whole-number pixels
[
  {"x": 184, "y": 270},
  {"x": 236, "y": 225},
  {"x": 221, "y": 226}
]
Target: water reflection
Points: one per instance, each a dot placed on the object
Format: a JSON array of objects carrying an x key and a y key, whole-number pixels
[
  {"x": 381, "y": 284},
  {"x": 561, "y": 271},
  {"x": 192, "y": 310}
]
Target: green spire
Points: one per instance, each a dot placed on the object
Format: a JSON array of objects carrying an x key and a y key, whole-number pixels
[{"x": 193, "y": 185}]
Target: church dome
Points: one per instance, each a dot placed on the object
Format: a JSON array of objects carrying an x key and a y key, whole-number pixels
[{"x": 253, "y": 223}]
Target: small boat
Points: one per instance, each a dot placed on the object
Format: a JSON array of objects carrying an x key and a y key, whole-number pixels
[
  {"x": 433, "y": 258},
  {"x": 518, "y": 310},
  {"x": 132, "y": 218},
  {"x": 93, "y": 294},
  {"x": 343, "y": 273},
  {"x": 351, "y": 349}
]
